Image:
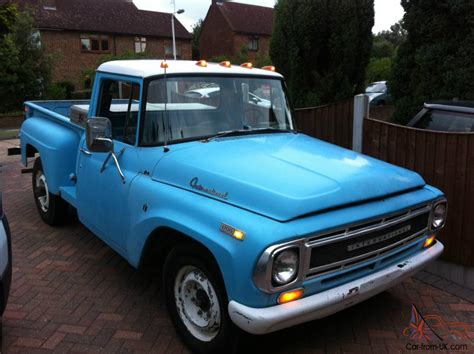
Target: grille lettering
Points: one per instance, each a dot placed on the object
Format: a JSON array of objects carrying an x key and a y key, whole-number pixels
[{"x": 372, "y": 241}]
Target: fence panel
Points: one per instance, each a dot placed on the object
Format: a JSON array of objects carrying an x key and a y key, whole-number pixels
[
  {"x": 446, "y": 161},
  {"x": 332, "y": 123}
]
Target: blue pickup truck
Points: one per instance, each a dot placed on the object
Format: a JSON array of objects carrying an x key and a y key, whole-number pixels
[{"x": 255, "y": 225}]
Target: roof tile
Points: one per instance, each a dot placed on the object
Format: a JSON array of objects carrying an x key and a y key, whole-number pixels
[
  {"x": 246, "y": 18},
  {"x": 107, "y": 16}
]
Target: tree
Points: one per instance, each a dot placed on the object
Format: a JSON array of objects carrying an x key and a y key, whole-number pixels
[
  {"x": 322, "y": 47},
  {"x": 435, "y": 61},
  {"x": 379, "y": 69},
  {"x": 197, "y": 27},
  {"x": 382, "y": 48},
  {"x": 25, "y": 70},
  {"x": 396, "y": 35}
]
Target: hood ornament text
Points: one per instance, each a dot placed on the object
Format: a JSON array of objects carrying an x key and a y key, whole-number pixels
[{"x": 194, "y": 183}]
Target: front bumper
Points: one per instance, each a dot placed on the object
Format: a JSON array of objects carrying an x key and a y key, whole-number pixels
[
  {"x": 5, "y": 263},
  {"x": 270, "y": 319}
]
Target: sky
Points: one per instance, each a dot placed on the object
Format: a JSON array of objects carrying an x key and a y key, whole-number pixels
[{"x": 387, "y": 12}]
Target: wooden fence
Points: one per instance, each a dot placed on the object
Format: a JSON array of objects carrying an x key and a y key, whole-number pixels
[
  {"x": 332, "y": 123},
  {"x": 445, "y": 160}
]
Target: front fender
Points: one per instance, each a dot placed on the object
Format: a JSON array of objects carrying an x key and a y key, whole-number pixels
[{"x": 200, "y": 218}]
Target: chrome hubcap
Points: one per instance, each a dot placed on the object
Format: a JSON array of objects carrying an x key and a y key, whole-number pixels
[
  {"x": 197, "y": 303},
  {"x": 42, "y": 192}
]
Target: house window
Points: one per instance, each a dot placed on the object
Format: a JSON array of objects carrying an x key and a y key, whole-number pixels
[
  {"x": 253, "y": 44},
  {"x": 169, "y": 52},
  {"x": 140, "y": 44},
  {"x": 49, "y": 4},
  {"x": 94, "y": 43}
]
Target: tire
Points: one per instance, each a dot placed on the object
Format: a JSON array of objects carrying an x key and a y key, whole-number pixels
[
  {"x": 202, "y": 322},
  {"x": 52, "y": 208}
]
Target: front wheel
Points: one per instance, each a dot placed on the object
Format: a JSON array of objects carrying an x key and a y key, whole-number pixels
[
  {"x": 52, "y": 208},
  {"x": 197, "y": 302}
]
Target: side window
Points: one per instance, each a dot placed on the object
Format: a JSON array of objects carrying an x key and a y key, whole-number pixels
[{"x": 120, "y": 102}]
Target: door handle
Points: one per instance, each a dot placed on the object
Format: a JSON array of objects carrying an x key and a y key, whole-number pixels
[{"x": 86, "y": 152}]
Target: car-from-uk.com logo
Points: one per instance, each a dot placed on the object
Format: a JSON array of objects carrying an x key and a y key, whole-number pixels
[{"x": 423, "y": 333}]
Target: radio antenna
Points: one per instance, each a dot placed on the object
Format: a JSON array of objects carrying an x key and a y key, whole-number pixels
[{"x": 164, "y": 65}]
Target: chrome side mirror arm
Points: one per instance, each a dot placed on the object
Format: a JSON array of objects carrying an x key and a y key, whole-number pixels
[{"x": 114, "y": 157}]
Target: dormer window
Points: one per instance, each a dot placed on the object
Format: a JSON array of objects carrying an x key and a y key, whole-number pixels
[{"x": 49, "y": 5}]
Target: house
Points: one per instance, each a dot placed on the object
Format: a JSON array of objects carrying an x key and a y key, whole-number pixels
[
  {"x": 229, "y": 27},
  {"x": 78, "y": 33}
]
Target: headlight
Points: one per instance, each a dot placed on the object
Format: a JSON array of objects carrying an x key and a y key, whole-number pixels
[
  {"x": 439, "y": 216},
  {"x": 285, "y": 266}
]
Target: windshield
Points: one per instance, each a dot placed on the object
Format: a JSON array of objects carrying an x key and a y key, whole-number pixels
[
  {"x": 376, "y": 87},
  {"x": 187, "y": 108}
]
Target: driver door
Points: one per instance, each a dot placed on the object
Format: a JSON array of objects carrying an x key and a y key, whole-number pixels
[{"x": 101, "y": 190}]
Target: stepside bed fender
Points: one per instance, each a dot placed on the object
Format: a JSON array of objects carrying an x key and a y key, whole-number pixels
[{"x": 57, "y": 146}]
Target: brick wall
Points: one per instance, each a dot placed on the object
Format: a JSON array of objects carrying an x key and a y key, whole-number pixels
[
  {"x": 241, "y": 40},
  {"x": 70, "y": 62},
  {"x": 218, "y": 39},
  {"x": 216, "y": 36}
]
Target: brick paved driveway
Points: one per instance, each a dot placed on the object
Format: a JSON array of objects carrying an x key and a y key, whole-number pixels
[{"x": 71, "y": 292}]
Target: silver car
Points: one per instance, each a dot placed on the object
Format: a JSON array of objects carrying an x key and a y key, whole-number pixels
[{"x": 5, "y": 259}]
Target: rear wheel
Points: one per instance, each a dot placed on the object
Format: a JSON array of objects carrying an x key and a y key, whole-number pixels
[
  {"x": 197, "y": 303},
  {"x": 52, "y": 208}
]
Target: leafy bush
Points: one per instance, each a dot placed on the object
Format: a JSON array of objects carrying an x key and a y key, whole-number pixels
[
  {"x": 89, "y": 74},
  {"x": 59, "y": 91},
  {"x": 322, "y": 47},
  {"x": 379, "y": 69},
  {"x": 25, "y": 69},
  {"x": 435, "y": 61},
  {"x": 220, "y": 58},
  {"x": 81, "y": 95}
]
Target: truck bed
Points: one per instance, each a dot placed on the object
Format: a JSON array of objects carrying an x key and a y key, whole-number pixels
[{"x": 60, "y": 107}]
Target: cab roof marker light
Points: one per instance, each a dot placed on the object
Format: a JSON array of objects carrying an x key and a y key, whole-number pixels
[
  {"x": 202, "y": 63},
  {"x": 269, "y": 68},
  {"x": 247, "y": 65},
  {"x": 226, "y": 64}
]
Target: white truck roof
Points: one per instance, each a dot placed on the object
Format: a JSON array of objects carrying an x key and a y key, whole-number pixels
[{"x": 148, "y": 68}]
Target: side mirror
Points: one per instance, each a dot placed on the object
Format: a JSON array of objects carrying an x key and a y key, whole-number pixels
[{"x": 99, "y": 135}]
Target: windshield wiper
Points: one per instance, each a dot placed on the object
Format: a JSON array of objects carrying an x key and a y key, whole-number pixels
[
  {"x": 248, "y": 131},
  {"x": 226, "y": 133}
]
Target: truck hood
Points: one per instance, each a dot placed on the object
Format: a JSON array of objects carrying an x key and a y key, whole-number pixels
[{"x": 281, "y": 176}]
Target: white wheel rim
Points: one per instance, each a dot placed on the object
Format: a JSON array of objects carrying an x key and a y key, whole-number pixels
[
  {"x": 197, "y": 303},
  {"x": 43, "y": 198}
]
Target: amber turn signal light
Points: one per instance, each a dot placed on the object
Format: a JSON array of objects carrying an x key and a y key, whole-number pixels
[
  {"x": 202, "y": 63},
  {"x": 289, "y": 296},
  {"x": 429, "y": 241}
]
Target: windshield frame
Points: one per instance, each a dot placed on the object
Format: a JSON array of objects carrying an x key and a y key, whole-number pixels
[{"x": 149, "y": 79}]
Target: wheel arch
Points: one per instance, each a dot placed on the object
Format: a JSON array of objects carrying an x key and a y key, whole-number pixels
[{"x": 163, "y": 239}]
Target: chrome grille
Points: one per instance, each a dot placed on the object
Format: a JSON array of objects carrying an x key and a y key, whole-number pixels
[{"x": 354, "y": 244}]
